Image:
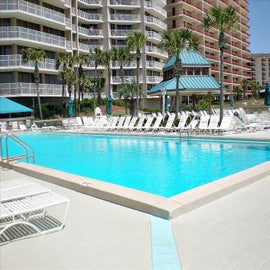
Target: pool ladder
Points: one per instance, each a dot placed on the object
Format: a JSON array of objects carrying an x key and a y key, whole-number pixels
[{"x": 28, "y": 151}]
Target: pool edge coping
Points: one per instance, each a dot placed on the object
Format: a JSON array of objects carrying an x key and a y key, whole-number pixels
[{"x": 156, "y": 205}]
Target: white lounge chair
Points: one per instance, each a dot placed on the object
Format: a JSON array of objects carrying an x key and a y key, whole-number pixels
[
  {"x": 169, "y": 124},
  {"x": 25, "y": 210}
]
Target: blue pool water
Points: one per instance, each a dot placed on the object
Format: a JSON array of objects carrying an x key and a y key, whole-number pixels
[{"x": 162, "y": 166}]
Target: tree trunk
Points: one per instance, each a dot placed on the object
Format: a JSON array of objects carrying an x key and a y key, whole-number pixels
[
  {"x": 36, "y": 75},
  {"x": 138, "y": 85}
]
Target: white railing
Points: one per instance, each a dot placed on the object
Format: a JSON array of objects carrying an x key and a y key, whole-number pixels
[
  {"x": 17, "y": 32},
  {"x": 121, "y": 32},
  {"x": 155, "y": 64},
  {"x": 131, "y": 64},
  {"x": 156, "y": 22},
  {"x": 151, "y": 5},
  {"x": 90, "y": 16},
  {"x": 33, "y": 9},
  {"x": 125, "y": 2},
  {"x": 125, "y": 17},
  {"x": 153, "y": 49},
  {"x": 30, "y": 89},
  {"x": 16, "y": 61},
  {"x": 91, "y": 2},
  {"x": 153, "y": 79},
  {"x": 86, "y": 48},
  {"x": 152, "y": 34}
]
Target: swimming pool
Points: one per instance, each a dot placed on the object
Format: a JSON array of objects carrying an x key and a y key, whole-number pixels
[{"x": 157, "y": 165}]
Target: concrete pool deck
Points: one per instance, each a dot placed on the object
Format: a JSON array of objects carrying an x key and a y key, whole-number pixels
[{"x": 231, "y": 231}]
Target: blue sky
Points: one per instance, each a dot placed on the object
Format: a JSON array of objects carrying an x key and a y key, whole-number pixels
[{"x": 259, "y": 15}]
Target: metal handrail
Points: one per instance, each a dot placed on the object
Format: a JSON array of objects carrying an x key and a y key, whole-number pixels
[{"x": 29, "y": 152}]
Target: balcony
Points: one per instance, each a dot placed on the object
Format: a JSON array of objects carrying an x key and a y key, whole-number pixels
[
  {"x": 126, "y": 18},
  {"x": 26, "y": 37},
  {"x": 121, "y": 33},
  {"x": 30, "y": 90},
  {"x": 155, "y": 23},
  {"x": 93, "y": 33},
  {"x": 154, "y": 65},
  {"x": 154, "y": 51},
  {"x": 127, "y": 65},
  {"x": 89, "y": 17},
  {"x": 124, "y": 4},
  {"x": 154, "y": 9},
  {"x": 10, "y": 62},
  {"x": 153, "y": 36},
  {"x": 23, "y": 9},
  {"x": 86, "y": 48},
  {"x": 90, "y": 3}
]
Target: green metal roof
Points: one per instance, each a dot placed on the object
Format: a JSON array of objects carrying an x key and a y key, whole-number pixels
[
  {"x": 190, "y": 84},
  {"x": 189, "y": 57}
]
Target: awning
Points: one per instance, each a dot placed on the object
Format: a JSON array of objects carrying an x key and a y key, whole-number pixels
[
  {"x": 9, "y": 106},
  {"x": 188, "y": 85}
]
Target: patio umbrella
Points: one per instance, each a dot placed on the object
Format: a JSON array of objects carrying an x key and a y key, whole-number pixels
[
  {"x": 109, "y": 105},
  {"x": 70, "y": 107},
  {"x": 9, "y": 106},
  {"x": 267, "y": 94}
]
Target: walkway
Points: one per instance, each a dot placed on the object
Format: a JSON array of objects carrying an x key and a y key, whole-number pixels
[{"x": 232, "y": 232}]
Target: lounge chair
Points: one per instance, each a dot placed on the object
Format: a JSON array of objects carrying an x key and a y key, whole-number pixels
[
  {"x": 148, "y": 123},
  {"x": 140, "y": 123},
  {"x": 156, "y": 125},
  {"x": 203, "y": 124},
  {"x": 169, "y": 124},
  {"x": 213, "y": 123},
  {"x": 25, "y": 210}
]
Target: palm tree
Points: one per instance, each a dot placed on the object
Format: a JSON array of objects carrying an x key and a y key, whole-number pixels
[
  {"x": 105, "y": 60},
  {"x": 122, "y": 56},
  {"x": 137, "y": 41},
  {"x": 174, "y": 42},
  {"x": 96, "y": 56},
  {"x": 245, "y": 85},
  {"x": 35, "y": 55},
  {"x": 128, "y": 92},
  {"x": 80, "y": 60},
  {"x": 63, "y": 61},
  {"x": 222, "y": 19}
]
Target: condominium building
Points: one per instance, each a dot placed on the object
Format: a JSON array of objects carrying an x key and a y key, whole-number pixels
[
  {"x": 76, "y": 26},
  {"x": 190, "y": 13},
  {"x": 260, "y": 63},
  {"x": 80, "y": 26}
]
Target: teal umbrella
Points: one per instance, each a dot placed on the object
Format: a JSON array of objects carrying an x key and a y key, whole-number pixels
[
  {"x": 70, "y": 107},
  {"x": 109, "y": 106},
  {"x": 267, "y": 94},
  {"x": 9, "y": 106}
]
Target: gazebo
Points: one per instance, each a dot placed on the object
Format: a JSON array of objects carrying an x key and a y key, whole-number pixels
[{"x": 195, "y": 78}]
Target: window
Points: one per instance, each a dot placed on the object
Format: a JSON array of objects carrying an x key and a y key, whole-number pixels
[
  {"x": 189, "y": 71},
  {"x": 6, "y": 77}
]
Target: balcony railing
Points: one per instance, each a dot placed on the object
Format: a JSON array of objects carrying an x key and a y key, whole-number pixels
[
  {"x": 90, "y": 16},
  {"x": 30, "y": 89},
  {"x": 32, "y": 9},
  {"x": 17, "y": 32},
  {"x": 91, "y": 2},
  {"x": 155, "y": 50},
  {"x": 154, "y": 64},
  {"x": 88, "y": 32},
  {"x": 125, "y": 17},
  {"x": 154, "y": 35},
  {"x": 11, "y": 61},
  {"x": 121, "y": 32},
  {"x": 156, "y": 21},
  {"x": 151, "y": 5},
  {"x": 134, "y": 3}
]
